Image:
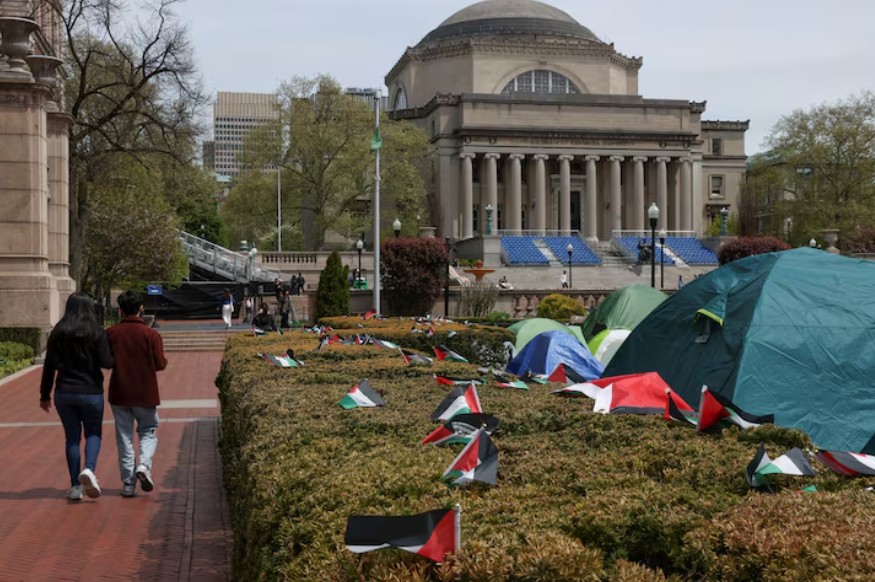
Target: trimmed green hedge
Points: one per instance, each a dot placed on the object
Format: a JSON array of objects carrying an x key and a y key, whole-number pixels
[
  {"x": 29, "y": 336},
  {"x": 580, "y": 496},
  {"x": 14, "y": 357}
]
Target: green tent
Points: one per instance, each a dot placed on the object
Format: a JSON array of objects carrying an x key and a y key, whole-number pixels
[
  {"x": 527, "y": 329},
  {"x": 790, "y": 334},
  {"x": 622, "y": 309}
]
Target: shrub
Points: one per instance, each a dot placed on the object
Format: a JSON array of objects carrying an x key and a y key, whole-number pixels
[
  {"x": 413, "y": 273},
  {"x": 498, "y": 316},
  {"x": 14, "y": 357},
  {"x": 558, "y": 306},
  {"x": 29, "y": 336},
  {"x": 749, "y": 246},
  {"x": 860, "y": 240},
  {"x": 478, "y": 299},
  {"x": 332, "y": 296}
]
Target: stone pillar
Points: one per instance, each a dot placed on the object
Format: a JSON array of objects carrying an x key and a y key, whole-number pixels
[
  {"x": 697, "y": 204},
  {"x": 513, "y": 211},
  {"x": 59, "y": 203},
  {"x": 540, "y": 192},
  {"x": 616, "y": 195},
  {"x": 662, "y": 191},
  {"x": 590, "y": 217},
  {"x": 467, "y": 188},
  {"x": 686, "y": 194},
  {"x": 491, "y": 199},
  {"x": 638, "y": 215},
  {"x": 565, "y": 193}
]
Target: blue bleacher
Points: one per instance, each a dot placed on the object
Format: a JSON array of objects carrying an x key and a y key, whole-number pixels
[
  {"x": 629, "y": 246},
  {"x": 521, "y": 250},
  {"x": 580, "y": 255},
  {"x": 691, "y": 251}
]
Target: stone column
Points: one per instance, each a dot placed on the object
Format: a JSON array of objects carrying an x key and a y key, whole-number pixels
[
  {"x": 467, "y": 187},
  {"x": 565, "y": 193},
  {"x": 686, "y": 194},
  {"x": 638, "y": 216},
  {"x": 662, "y": 191},
  {"x": 590, "y": 218},
  {"x": 540, "y": 192},
  {"x": 491, "y": 198},
  {"x": 515, "y": 198},
  {"x": 616, "y": 195},
  {"x": 59, "y": 203}
]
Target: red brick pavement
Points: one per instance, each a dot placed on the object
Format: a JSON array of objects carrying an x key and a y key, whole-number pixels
[{"x": 178, "y": 532}]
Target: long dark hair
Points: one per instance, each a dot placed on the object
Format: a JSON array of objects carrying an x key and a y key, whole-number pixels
[{"x": 78, "y": 331}]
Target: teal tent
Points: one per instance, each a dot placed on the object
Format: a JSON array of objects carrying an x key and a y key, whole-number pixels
[
  {"x": 790, "y": 334},
  {"x": 622, "y": 309}
]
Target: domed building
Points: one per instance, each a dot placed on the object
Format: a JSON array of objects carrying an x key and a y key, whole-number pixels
[{"x": 540, "y": 126}]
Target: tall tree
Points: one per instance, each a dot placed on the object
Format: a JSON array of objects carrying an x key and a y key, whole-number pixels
[
  {"x": 132, "y": 90},
  {"x": 322, "y": 142},
  {"x": 827, "y": 162}
]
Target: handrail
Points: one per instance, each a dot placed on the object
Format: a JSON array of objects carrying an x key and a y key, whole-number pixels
[{"x": 225, "y": 262}]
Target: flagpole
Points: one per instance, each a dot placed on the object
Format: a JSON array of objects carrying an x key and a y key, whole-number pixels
[{"x": 377, "y": 208}]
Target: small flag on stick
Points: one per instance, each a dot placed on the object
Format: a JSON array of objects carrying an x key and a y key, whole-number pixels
[
  {"x": 793, "y": 462},
  {"x": 715, "y": 407},
  {"x": 361, "y": 396},
  {"x": 433, "y": 534},
  {"x": 459, "y": 401},
  {"x": 478, "y": 461}
]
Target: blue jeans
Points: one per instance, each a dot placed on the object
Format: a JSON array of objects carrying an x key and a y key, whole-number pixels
[
  {"x": 80, "y": 413},
  {"x": 147, "y": 430}
]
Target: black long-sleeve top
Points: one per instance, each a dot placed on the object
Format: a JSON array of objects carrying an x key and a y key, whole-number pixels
[{"x": 75, "y": 374}]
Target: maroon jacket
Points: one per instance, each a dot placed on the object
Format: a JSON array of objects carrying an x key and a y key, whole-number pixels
[{"x": 139, "y": 353}]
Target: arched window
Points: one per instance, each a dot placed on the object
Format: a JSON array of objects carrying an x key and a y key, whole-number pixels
[
  {"x": 541, "y": 81},
  {"x": 400, "y": 99}
]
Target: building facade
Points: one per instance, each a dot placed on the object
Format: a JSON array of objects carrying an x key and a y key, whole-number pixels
[
  {"x": 537, "y": 119},
  {"x": 234, "y": 116}
]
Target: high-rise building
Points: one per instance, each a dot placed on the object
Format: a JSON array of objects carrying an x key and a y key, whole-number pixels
[{"x": 234, "y": 116}]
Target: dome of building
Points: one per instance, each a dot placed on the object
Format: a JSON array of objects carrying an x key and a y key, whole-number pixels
[{"x": 510, "y": 17}]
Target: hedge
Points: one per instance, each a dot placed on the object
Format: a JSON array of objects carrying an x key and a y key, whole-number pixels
[
  {"x": 14, "y": 357},
  {"x": 29, "y": 336},
  {"x": 579, "y": 496}
]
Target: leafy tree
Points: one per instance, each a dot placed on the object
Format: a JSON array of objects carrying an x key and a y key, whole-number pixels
[
  {"x": 413, "y": 271},
  {"x": 749, "y": 246},
  {"x": 825, "y": 164},
  {"x": 332, "y": 296},
  {"x": 322, "y": 142},
  {"x": 132, "y": 89},
  {"x": 191, "y": 191}
]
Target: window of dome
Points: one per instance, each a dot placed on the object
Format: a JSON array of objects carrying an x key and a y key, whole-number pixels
[
  {"x": 400, "y": 100},
  {"x": 541, "y": 81}
]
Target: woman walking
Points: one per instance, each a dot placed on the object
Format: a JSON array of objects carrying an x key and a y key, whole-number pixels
[
  {"x": 227, "y": 307},
  {"x": 77, "y": 350}
]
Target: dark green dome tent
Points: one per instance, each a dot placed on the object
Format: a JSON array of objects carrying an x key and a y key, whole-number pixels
[
  {"x": 623, "y": 309},
  {"x": 789, "y": 333}
]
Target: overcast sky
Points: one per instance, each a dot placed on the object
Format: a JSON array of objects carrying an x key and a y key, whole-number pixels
[{"x": 750, "y": 59}]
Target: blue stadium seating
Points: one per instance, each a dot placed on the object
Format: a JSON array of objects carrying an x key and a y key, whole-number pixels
[
  {"x": 580, "y": 255},
  {"x": 629, "y": 246},
  {"x": 521, "y": 250},
  {"x": 691, "y": 251}
]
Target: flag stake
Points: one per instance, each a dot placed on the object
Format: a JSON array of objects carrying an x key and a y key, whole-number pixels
[{"x": 458, "y": 510}]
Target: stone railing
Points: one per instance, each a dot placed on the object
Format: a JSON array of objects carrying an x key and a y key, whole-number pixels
[{"x": 522, "y": 303}]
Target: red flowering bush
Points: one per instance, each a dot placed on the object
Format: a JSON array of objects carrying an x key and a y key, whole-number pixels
[
  {"x": 413, "y": 271},
  {"x": 749, "y": 246}
]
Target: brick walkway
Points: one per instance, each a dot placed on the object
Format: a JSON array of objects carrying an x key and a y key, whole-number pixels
[{"x": 178, "y": 532}]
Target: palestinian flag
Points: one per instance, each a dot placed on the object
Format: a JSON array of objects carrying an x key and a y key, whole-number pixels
[
  {"x": 442, "y": 353},
  {"x": 433, "y": 534},
  {"x": 793, "y": 462},
  {"x": 323, "y": 343},
  {"x": 258, "y": 332},
  {"x": 530, "y": 378},
  {"x": 673, "y": 411},
  {"x": 451, "y": 334},
  {"x": 478, "y": 461},
  {"x": 430, "y": 332},
  {"x": 461, "y": 428},
  {"x": 504, "y": 382},
  {"x": 414, "y": 358},
  {"x": 450, "y": 381},
  {"x": 370, "y": 314},
  {"x": 565, "y": 374},
  {"x": 460, "y": 401},
  {"x": 384, "y": 344},
  {"x": 587, "y": 389},
  {"x": 715, "y": 407},
  {"x": 361, "y": 396},
  {"x": 848, "y": 464}
]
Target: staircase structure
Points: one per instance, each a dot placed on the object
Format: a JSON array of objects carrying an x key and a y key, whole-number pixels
[
  {"x": 224, "y": 263},
  {"x": 196, "y": 341},
  {"x": 545, "y": 250},
  {"x": 610, "y": 256}
]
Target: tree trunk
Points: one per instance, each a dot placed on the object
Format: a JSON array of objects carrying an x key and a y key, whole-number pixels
[{"x": 78, "y": 224}]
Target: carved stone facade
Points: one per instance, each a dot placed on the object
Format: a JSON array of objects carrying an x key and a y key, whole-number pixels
[
  {"x": 536, "y": 117},
  {"x": 34, "y": 169}
]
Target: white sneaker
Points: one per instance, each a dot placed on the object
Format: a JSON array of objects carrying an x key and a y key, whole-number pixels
[
  {"x": 144, "y": 476},
  {"x": 128, "y": 490},
  {"x": 89, "y": 482},
  {"x": 75, "y": 493}
]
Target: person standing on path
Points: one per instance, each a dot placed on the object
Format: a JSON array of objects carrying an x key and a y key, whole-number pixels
[
  {"x": 77, "y": 350},
  {"x": 564, "y": 280},
  {"x": 133, "y": 391},
  {"x": 227, "y": 307}
]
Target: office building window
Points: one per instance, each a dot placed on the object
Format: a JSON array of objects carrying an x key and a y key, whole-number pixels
[{"x": 717, "y": 187}]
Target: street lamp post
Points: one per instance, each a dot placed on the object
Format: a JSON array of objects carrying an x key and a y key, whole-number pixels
[
  {"x": 489, "y": 210},
  {"x": 396, "y": 226},
  {"x": 570, "y": 249},
  {"x": 662, "y": 235},
  {"x": 252, "y": 252},
  {"x": 653, "y": 215},
  {"x": 359, "y": 246},
  {"x": 724, "y": 214}
]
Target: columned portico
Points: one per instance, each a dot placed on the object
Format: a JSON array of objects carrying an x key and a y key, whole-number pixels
[
  {"x": 662, "y": 191},
  {"x": 540, "y": 192},
  {"x": 491, "y": 198},
  {"x": 616, "y": 194},
  {"x": 686, "y": 193},
  {"x": 565, "y": 193},
  {"x": 467, "y": 188},
  {"x": 637, "y": 215},
  {"x": 589, "y": 216},
  {"x": 513, "y": 209}
]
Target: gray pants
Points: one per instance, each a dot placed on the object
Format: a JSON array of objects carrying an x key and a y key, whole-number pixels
[{"x": 147, "y": 430}]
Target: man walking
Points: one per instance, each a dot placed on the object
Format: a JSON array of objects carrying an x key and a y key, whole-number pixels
[{"x": 133, "y": 391}]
